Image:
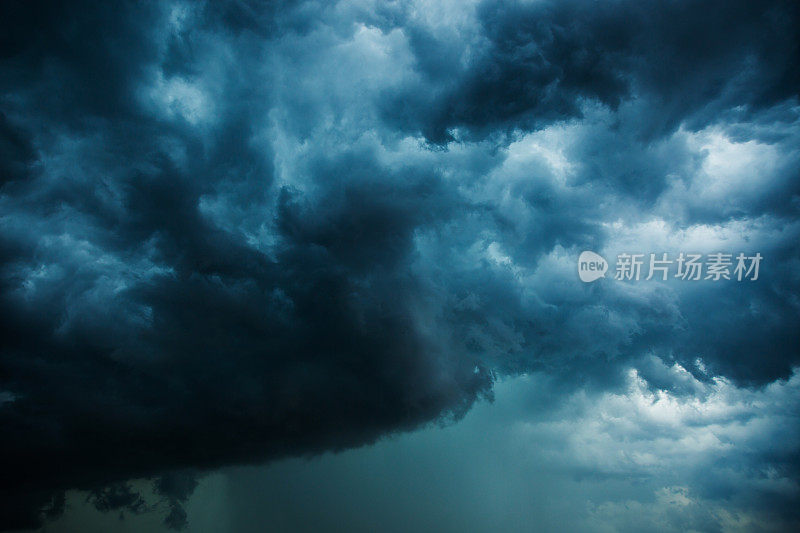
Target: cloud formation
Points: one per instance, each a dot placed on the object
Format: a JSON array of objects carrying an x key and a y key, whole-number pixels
[
  {"x": 238, "y": 231},
  {"x": 712, "y": 457}
]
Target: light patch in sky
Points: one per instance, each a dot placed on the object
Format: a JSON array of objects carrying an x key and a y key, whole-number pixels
[{"x": 178, "y": 97}]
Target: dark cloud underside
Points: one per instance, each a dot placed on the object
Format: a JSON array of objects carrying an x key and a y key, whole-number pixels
[{"x": 237, "y": 231}]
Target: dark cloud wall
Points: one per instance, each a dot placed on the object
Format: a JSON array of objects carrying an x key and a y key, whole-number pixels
[
  {"x": 157, "y": 340},
  {"x": 238, "y": 231},
  {"x": 532, "y": 63}
]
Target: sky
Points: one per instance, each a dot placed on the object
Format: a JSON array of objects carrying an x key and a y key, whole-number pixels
[{"x": 313, "y": 265}]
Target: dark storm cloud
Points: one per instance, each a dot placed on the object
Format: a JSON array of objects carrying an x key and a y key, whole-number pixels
[
  {"x": 157, "y": 340},
  {"x": 219, "y": 244},
  {"x": 536, "y": 62},
  {"x": 16, "y": 152}
]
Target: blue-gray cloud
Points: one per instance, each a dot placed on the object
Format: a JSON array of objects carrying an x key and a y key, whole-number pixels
[{"x": 238, "y": 231}]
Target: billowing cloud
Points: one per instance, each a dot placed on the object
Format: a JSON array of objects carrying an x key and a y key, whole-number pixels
[{"x": 232, "y": 232}]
